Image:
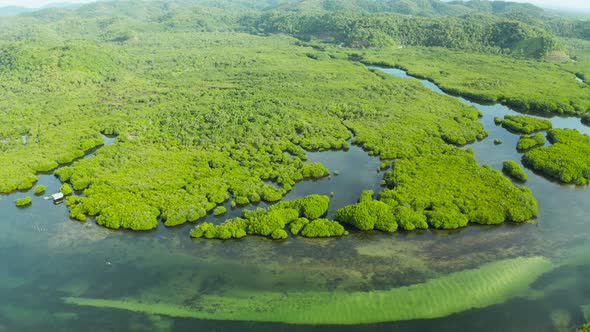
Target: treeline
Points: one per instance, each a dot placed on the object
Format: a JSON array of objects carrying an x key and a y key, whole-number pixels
[
  {"x": 353, "y": 23},
  {"x": 482, "y": 33},
  {"x": 303, "y": 216}
]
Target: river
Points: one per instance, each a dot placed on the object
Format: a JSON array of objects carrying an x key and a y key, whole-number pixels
[{"x": 46, "y": 257}]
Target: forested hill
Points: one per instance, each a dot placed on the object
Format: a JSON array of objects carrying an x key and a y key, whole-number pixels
[
  {"x": 484, "y": 33},
  {"x": 490, "y": 27}
]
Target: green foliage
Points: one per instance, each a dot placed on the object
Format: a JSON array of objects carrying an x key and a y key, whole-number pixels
[
  {"x": 368, "y": 215},
  {"x": 585, "y": 328},
  {"x": 450, "y": 184},
  {"x": 66, "y": 189},
  {"x": 297, "y": 225},
  {"x": 20, "y": 202},
  {"x": 366, "y": 196},
  {"x": 526, "y": 143},
  {"x": 279, "y": 234},
  {"x": 310, "y": 207},
  {"x": 514, "y": 170},
  {"x": 76, "y": 208},
  {"x": 184, "y": 156},
  {"x": 39, "y": 190},
  {"x": 314, "y": 170},
  {"x": 203, "y": 230},
  {"x": 80, "y": 217},
  {"x": 133, "y": 215},
  {"x": 567, "y": 160},
  {"x": 498, "y": 141},
  {"x": 496, "y": 79},
  {"x": 230, "y": 229},
  {"x": 485, "y": 33},
  {"x": 220, "y": 210},
  {"x": 446, "y": 216},
  {"x": 409, "y": 219},
  {"x": 525, "y": 124},
  {"x": 271, "y": 221},
  {"x": 322, "y": 228},
  {"x": 91, "y": 144}
]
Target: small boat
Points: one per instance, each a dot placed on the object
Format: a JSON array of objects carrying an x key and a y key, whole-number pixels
[{"x": 57, "y": 198}]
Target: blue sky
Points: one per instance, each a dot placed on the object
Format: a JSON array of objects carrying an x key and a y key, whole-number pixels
[{"x": 570, "y": 4}]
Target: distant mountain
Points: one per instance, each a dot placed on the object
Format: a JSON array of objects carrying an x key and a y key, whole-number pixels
[
  {"x": 64, "y": 5},
  {"x": 501, "y": 7},
  {"x": 14, "y": 10},
  {"x": 18, "y": 10},
  {"x": 477, "y": 25}
]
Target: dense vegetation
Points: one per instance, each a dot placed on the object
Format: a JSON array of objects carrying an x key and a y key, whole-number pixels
[
  {"x": 301, "y": 213},
  {"x": 310, "y": 207},
  {"x": 449, "y": 190},
  {"x": 525, "y": 85},
  {"x": 567, "y": 160},
  {"x": 323, "y": 228},
  {"x": 204, "y": 114},
  {"x": 181, "y": 152},
  {"x": 526, "y": 143},
  {"x": 23, "y": 201},
  {"x": 525, "y": 124},
  {"x": 39, "y": 190},
  {"x": 477, "y": 32},
  {"x": 514, "y": 170},
  {"x": 367, "y": 215},
  {"x": 220, "y": 210}
]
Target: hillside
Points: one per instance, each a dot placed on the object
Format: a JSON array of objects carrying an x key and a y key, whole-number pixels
[{"x": 351, "y": 23}]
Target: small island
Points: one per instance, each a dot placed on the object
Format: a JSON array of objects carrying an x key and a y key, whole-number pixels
[
  {"x": 303, "y": 214},
  {"x": 220, "y": 210},
  {"x": 524, "y": 124},
  {"x": 39, "y": 190},
  {"x": 22, "y": 202}
]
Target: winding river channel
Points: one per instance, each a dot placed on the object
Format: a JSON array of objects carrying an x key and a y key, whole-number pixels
[{"x": 60, "y": 275}]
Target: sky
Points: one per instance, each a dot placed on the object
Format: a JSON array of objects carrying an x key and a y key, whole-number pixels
[
  {"x": 37, "y": 3},
  {"x": 562, "y": 4}
]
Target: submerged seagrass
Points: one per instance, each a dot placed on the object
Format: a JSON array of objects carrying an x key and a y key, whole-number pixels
[{"x": 492, "y": 283}]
